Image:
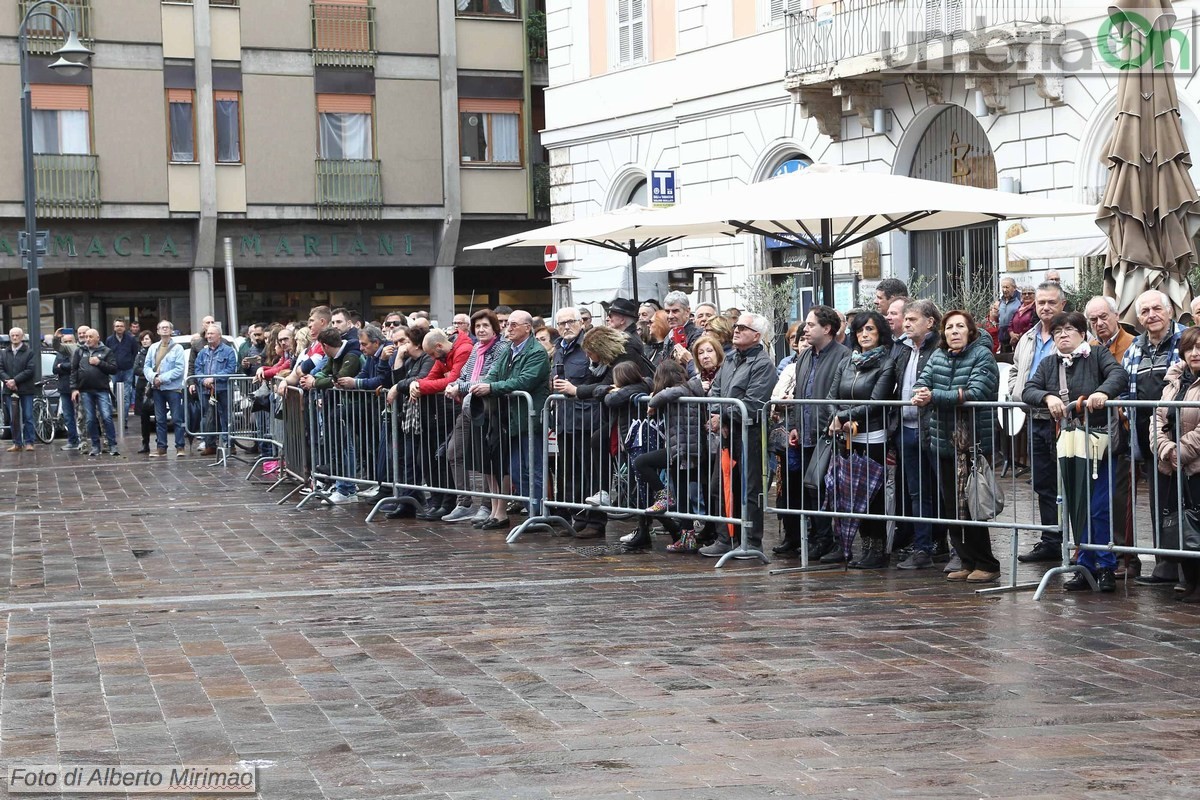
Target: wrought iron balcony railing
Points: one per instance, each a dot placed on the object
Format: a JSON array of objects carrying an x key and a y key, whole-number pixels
[
  {"x": 349, "y": 189},
  {"x": 68, "y": 186},
  {"x": 45, "y": 37},
  {"x": 343, "y": 35},
  {"x": 896, "y": 30}
]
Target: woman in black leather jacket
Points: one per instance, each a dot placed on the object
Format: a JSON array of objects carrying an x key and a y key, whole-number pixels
[{"x": 868, "y": 374}]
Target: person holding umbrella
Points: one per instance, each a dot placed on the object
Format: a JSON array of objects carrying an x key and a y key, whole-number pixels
[
  {"x": 1074, "y": 384},
  {"x": 868, "y": 374},
  {"x": 961, "y": 370}
]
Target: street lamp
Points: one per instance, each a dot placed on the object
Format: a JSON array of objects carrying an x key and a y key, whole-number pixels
[{"x": 72, "y": 59}]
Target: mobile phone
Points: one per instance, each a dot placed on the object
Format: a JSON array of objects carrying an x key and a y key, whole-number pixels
[{"x": 560, "y": 371}]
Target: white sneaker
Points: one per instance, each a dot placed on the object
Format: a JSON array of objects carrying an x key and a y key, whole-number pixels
[
  {"x": 627, "y": 538},
  {"x": 337, "y": 498},
  {"x": 459, "y": 514},
  {"x": 600, "y": 498},
  {"x": 70, "y": 447},
  {"x": 369, "y": 494},
  {"x": 482, "y": 514}
]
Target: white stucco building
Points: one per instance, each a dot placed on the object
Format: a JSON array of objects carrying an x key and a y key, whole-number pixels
[{"x": 726, "y": 92}]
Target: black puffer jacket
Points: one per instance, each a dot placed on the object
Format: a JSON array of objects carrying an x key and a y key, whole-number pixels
[
  {"x": 682, "y": 424},
  {"x": 873, "y": 380}
]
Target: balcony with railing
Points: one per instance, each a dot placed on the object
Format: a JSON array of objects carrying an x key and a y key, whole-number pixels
[
  {"x": 837, "y": 54},
  {"x": 343, "y": 35},
  {"x": 349, "y": 189},
  {"x": 68, "y": 186},
  {"x": 901, "y": 34},
  {"x": 45, "y": 36}
]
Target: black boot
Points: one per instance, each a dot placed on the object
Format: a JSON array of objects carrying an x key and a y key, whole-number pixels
[
  {"x": 819, "y": 546},
  {"x": 145, "y": 447},
  {"x": 874, "y": 556},
  {"x": 641, "y": 540}
]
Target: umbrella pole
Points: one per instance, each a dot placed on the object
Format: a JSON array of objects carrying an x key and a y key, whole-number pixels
[
  {"x": 633, "y": 286},
  {"x": 826, "y": 262}
]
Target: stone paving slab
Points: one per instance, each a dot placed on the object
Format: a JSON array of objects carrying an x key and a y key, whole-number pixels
[{"x": 172, "y": 613}]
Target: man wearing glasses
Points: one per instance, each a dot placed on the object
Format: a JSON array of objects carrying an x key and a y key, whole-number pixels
[
  {"x": 622, "y": 316},
  {"x": 585, "y": 320},
  {"x": 393, "y": 320},
  {"x": 748, "y": 375},
  {"x": 165, "y": 361},
  {"x": 526, "y": 368}
]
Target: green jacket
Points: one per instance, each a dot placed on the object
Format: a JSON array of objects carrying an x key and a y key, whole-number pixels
[
  {"x": 530, "y": 372},
  {"x": 954, "y": 378},
  {"x": 347, "y": 365}
]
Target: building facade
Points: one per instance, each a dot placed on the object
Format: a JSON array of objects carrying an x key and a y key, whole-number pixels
[
  {"x": 1019, "y": 97},
  {"x": 346, "y": 151}
]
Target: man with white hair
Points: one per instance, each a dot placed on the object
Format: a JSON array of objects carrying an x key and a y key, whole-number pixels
[
  {"x": 17, "y": 376},
  {"x": 705, "y": 313},
  {"x": 1101, "y": 314},
  {"x": 1147, "y": 360},
  {"x": 748, "y": 375},
  {"x": 684, "y": 332}
]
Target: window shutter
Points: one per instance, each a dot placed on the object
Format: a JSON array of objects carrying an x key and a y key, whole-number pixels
[
  {"x": 56, "y": 97},
  {"x": 344, "y": 103},
  {"x": 637, "y": 30},
  {"x": 179, "y": 96},
  {"x": 623, "y": 31}
]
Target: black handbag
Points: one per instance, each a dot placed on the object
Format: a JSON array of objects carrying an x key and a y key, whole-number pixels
[
  {"x": 818, "y": 465},
  {"x": 1180, "y": 531}
]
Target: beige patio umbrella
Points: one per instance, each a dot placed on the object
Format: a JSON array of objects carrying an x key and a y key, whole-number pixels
[{"x": 1149, "y": 210}]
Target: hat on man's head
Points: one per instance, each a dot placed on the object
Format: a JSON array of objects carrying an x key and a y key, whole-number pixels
[
  {"x": 652, "y": 302},
  {"x": 623, "y": 306}
]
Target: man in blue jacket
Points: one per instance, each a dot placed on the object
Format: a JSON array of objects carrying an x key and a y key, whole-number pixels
[
  {"x": 215, "y": 359},
  {"x": 165, "y": 362},
  {"x": 125, "y": 349}
]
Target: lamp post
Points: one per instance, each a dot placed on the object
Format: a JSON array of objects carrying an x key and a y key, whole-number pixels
[{"x": 72, "y": 59}]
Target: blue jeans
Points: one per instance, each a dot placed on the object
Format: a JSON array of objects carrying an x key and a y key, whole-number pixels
[
  {"x": 164, "y": 399},
  {"x": 25, "y": 401},
  {"x": 523, "y": 468},
  {"x": 1096, "y": 527},
  {"x": 918, "y": 471},
  {"x": 68, "y": 412},
  {"x": 99, "y": 404}
]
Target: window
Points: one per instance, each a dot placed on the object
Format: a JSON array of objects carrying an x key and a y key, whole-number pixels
[
  {"x": 491, "y": 8},
  {"x": 61, "y": 122},
  {"x": 181, "y": 120},
  {"x": 778, "y": 9},
  {"x": 345, "y": 126},
  {"x": 489, "y": 131},
  {"x": 227, "y": 107},
  {"x": 631, "y": 32}
]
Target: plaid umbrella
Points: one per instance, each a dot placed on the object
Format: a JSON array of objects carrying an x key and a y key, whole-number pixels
[{"x": 850, "y": 485}]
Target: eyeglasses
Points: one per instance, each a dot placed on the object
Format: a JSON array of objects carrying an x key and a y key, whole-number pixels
[
  {"x": 392, "y": 323},
  {"x": 585, "y": 319},
  {"x": 462, "y": 324},
  {"x": 740, "y": 327},
  {"x": 1064, "y": 329},
  {"x": 569, "y": 322}
]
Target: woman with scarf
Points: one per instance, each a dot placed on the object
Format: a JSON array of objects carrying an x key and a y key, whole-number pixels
[
  {"x": 1023, "y": 318},
  {"x": 708, "y": 355},
  {"x": 868, "y": 374},
  {"x": 469, "y": 454},
  {"x": 961, "y": 370},
  {"x": 1178, "y": 446},
  {"x": 1075, "y": 382}
]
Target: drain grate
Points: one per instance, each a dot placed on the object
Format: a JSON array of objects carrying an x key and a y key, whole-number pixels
[{"x": 599, "y": 551}]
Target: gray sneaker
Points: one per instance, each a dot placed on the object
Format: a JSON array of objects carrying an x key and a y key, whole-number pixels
[
  {"x": 716, "y": 549},
  {"x": 954, "y": 565},
  {"x": 917, "y": 559},
  {"x": 483, "y": 514},
  {"x": 459, "y": 514},
  {"x": 72, "y": 447}
]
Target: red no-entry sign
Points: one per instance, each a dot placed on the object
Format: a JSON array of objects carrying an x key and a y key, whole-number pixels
[{"x": 551, "y": 258}]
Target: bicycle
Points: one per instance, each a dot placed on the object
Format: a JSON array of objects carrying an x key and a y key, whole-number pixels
[{"x": 46, "y": 418}]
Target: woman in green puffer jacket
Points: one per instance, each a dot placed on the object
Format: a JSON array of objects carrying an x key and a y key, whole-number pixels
[{"x": 961, "y": 370}]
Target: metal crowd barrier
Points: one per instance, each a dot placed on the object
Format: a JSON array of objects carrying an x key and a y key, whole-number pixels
[
  {"x": 216, "y": 414},
  {"x": 292, "y": 430},
  {"x": 1131, "y": 503},
  {"x": 423, "y": 452},
  {"x": 841, "y": 499},
  {"x": 620, "y": 449}
]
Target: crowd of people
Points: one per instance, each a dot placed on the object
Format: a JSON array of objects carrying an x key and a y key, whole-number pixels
[{"x": 678, "y": 403}]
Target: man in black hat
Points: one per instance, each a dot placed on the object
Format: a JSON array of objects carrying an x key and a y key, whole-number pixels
[{"x": 622, "y": 316}]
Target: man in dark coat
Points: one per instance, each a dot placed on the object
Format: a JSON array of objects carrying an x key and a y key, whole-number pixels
[
  {"x": 17, "y": 370},
  {"x": 749, "y": 375},
  {"x": 622, "y": 315}
]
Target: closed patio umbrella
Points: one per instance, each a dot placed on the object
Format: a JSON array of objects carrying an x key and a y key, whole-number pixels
[{"x": 1149, "y": 207}]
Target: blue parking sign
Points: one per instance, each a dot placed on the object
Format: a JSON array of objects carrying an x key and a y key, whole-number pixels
[{"x": 662, "y": 187}]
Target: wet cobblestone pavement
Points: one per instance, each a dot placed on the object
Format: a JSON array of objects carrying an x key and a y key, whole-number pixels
[{"x": 172, "y": 613}]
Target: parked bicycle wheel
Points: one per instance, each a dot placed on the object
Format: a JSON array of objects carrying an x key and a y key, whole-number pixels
[{"x": 43, "y": 421}]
